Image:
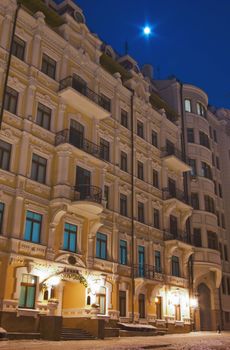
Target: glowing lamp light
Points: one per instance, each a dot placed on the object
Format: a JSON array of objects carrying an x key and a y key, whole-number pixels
[
  {"x": 53, "y": 281},
  {"x": 193, "y": 302},
  {"x": 156, "y": 300},
  {"x": 147, "y": 30}
]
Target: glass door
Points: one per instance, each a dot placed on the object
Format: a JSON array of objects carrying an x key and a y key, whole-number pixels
[{"x": 83, "y": 180}]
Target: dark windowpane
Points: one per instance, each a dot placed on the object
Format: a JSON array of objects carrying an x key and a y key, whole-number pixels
[
  {"x": 18, "y": 48},
  {"x": 156, "y": 218},
  {"x": 192, "y": 163},
  {"x": 122, "y": 303},
  {"x": 124, "y": 161},
  {"x": 141, "y": 214},
  {"x": 106, "y": 195},
  {"x": 33, "y": 227},
  {"x": 190, "y": 135},
  {"x": 154, "y": 138},
  {"x": 204, "y": 139},
  {"x": 157, "y": 255},
  {"x": 101, "y": 246},
  {"x": 70, "y": 238},
  {"x": 209, "y": 204},
  {"x": 195, "y": 201},
  {"x": 155, "y": 179},
  {"x": 105, "y": 102},
  {"x": 2, "y": 206},
  {"x": 175, "y": 266},
  {"x": 173, "y": 225},
  {"x": 123, "y": 252},
  {"x": 140, "y": 129},
  {"x": 140, "y": 170},
  {"x": 197, "y": 237},
  {"x": 123, "y": 204},
  {"x": 43, "y": 116},
  {"x": 124, "y": 118},
  {"x": 104, "y": 149},
  {"x": 11, "y": 100},
  {"x": 48, "y": 66},
  {"x": 5, "y": 153},
  {"x": 38, "y": 171},
  {"x": 212, "y": 240}
]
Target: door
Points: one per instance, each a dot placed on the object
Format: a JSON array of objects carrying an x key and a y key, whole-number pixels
[
  {"x": 178, "y": 312},
  {"x": 79, "y": 84},
  {"x": 83, "y": 180},
  {"x": 101, "y": 300},
  {"x": 159, "y": 308},
  {"x": 204, "y": 300},
  {"x": 76, "y": 134},
  {"x": 141, "y": 302},
  {"x": 122, "y": 303}
]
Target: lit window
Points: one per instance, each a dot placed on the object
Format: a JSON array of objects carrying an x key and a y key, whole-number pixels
[
  {"x": 200, "y": 109},
  {"x": 27, "y": 292},
  {"x": 33, "y": 227},
  {"x": 187, "y": 105},
  {"x": 101, "y": 246},
  {"x": 70, "y": 238}
]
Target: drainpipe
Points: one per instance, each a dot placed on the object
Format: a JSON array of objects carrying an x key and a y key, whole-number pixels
[
  {"x": 132, "y": 207},
  {"x": 221, "y": 320},
  {"x": 9, "y": 62}
]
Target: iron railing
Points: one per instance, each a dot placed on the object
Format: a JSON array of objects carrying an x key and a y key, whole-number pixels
[
  {"x": 174, "y": 193},
  {"x": 147, "y": 271},
  {"x": 68, "y": 136},
  {"x": 178, "y": 235},
  {"x": 88, "y": 193},
  {"x": 172, "y": 151},
  {"x": 77, "y": 85}
]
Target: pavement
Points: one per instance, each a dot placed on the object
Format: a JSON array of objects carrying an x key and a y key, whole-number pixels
[{"x": 189, "y": 341}]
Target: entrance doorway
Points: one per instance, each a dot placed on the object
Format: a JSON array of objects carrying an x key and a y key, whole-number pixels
[
  {"x": 101, "y": 300},
  {"x": 204, "y": 299}
]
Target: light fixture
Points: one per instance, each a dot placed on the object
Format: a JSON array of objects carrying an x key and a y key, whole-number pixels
[{"x": 156, "y": 300}]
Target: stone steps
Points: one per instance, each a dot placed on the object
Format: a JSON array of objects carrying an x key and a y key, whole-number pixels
[
  {"x": 22, "y": 335},
  {"x": 75, "y": 334}
]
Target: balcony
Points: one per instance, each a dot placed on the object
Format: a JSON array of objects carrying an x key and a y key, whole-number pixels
[
  {"x": 178, "y": 235},
  {"x": 88, "y": 200},
  {"x": 148, "y": 272},
  {"x": 205, "y": 261},
  {"x": 79, "y": 96},
  {"x": 172, "y": 158},
  {"x": 67, "y": 136}
]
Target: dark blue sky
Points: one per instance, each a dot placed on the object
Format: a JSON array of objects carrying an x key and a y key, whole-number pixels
[{"x": 192, "y": 39}]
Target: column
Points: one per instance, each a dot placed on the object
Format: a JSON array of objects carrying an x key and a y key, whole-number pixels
[
  {"x": 24, "y": 149},
  {"x": 30, "y": 99},
  {"x": 17, "y": 217},
  {"x": 36, "y": 50},
  {"x": 6, "y": 31}
]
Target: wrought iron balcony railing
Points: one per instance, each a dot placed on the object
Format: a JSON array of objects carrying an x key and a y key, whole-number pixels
[
  {"x": 174, "y": 193},
  {"x": 148, "y": 272},
  {"x": 178, "y": 235},
  {"x": 74, "y": 83},
  {"x": 88, "y": 193},
  {"x": 68, "y": 136},
  {"x": 167, "y": 151}
]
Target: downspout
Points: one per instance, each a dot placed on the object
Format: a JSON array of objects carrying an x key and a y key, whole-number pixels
[
  {"x": 132, "y": 207},
  {"x": 9, "y": 62}
]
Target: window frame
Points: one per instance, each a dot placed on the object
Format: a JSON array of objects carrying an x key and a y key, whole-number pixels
[
  {"x": 4, "y": 152},
  {"x": 2, "y": 209},
  {"x": 36, "y": 167},
  {"x": 175, "y": 266},
  {"x": 11, "y": 100},
  {"x": 123, "y": 204},
  {"x": 17, "y": 46},
  {"x": 49, "y": 66},
  {"x": 123, "y": 252},
  {"x": 30, "y": 223},
  {"x": 68, "y": 232},
  {"x": 101, "y": 246},
  {"x": 188, "y": 105},
  {"x": 43, "y": 112}
]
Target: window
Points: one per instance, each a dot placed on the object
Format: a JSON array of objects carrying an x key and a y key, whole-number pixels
[
  {"x": 218, "y": 218},
  {"x": 192, "y": 163},
  {"x": 122, "y": 303},
  {"x": 140, "y": 170},
  {"x": 157, "y": 256},
  {"x": 123, "y": 204},
  {"x": 225, "y": 252},
  {"x": 101, "y": 246},
  {"x": 197, "y": 237},
  {"x": 18, "y": 48},
  {"x": 187, "y": 105},
  {"x": 38, "y": 172},
  {"x": 220, "y": 250},
  {"x": 105, "y": 102},
  {"x": 48, "y": 66},
  {"x": 173, "y": 225},
  {"x": 141, "y": 214},
  {"x": 175, "y": 266},
  {"x": 212, "y": 240},
  {"x": 104, "y": 149},
  {"x": 190, "y": 135},
  {"x": 124, "y": 161},
  {"x": 123, "y": 252},
  {"x": 215, "y": 135},
  {"x": 218, "y": 163},
  {"x": 27, "y": 292},
  {"x": 195, "y": 201},
  {"x": 209, "y": 204},
  {"x": 228, "y": 285},
  {"x": 220, "y": 191},
  {"x": 223, "y": 285},
  {"x": 156, "y": 218},
  {"x": 170, "y": 148},
  {"x": 213, "y": 159},
  {"x": 204, "y": 139},
  {"x": 106, "y": 195},
  {"x": 11, "y": 100},
  {"x": 33, "y": 227},
  {"x": 215, "y": 187},
  {"x": 155, "y": 179},
  {"x": 43, "y": 116},
  {"x": 70, "y": 238},
  {"x": 206, "y": 170},
  {"x": 200, "y": 109},
  {"x": 141, "y": 261},
  {"x": 5, "y": 152},
  {"x": 154, "y": 138},
  {"x": 210, "y": 132},
  {"x": 223, "y": 220},
  {"x": 172, "y": 187},
  {"x": 140, "y": 129},
  {"x": 124, "y": 118},
  {"x": 2, "y": 206}
]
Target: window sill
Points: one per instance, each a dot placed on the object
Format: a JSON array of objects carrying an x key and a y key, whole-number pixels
[{"x": 27, "y": 312}]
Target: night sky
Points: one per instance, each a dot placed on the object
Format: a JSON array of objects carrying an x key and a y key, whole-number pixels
[{"x": 191, "y": 40}]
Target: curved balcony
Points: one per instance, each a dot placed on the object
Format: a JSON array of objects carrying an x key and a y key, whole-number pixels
[
  {"x": 79, "y": 96},
  {"x": 172, "y": 158},
  {"x": 207, "y": 260},
  {"x": 181, "y": 236},
  {"x": 88, "y": 199}
]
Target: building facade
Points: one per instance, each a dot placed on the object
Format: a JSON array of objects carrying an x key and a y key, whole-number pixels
[{"x": 102, "y": 214}]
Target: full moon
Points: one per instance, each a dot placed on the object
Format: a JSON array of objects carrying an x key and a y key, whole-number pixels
[{"x": 147, "y": 30}]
